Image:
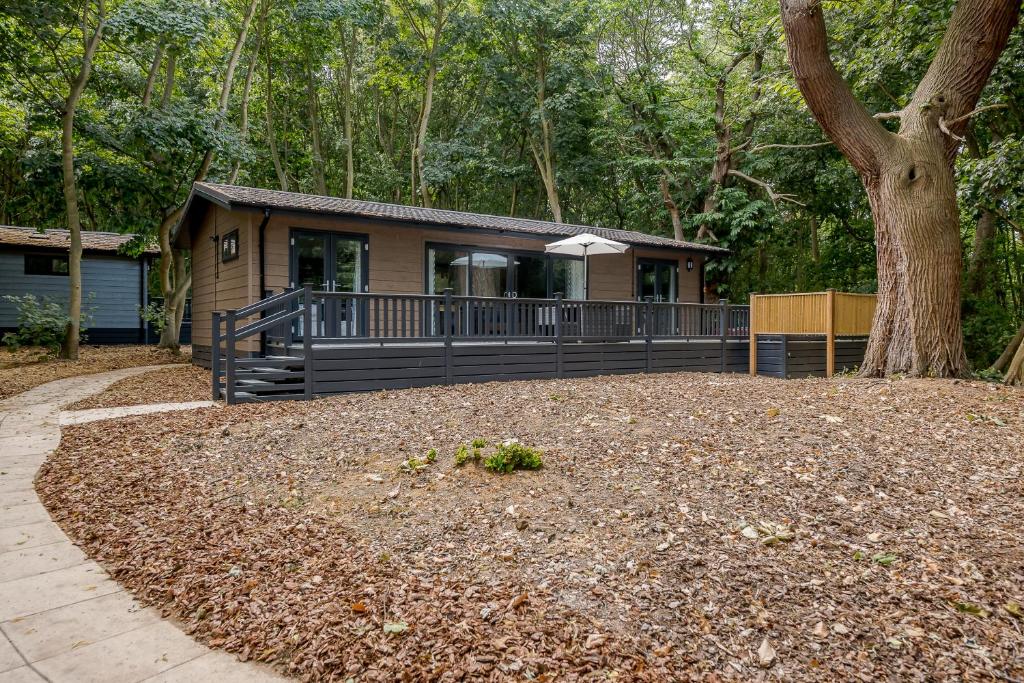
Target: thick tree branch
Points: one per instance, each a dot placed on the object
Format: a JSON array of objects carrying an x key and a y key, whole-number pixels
[
  {"x": 843, "y": 118},
  {"x": 776, "y": 197},
  {"x": 975, "y": 37}
]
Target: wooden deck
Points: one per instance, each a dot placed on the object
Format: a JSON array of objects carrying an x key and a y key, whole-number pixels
[{"x": 316, "y": 343}]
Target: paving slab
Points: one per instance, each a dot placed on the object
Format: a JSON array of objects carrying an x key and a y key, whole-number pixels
[
  {"x": 154, "y": 648},
  {"x": 29, "y": 535},
  {"x": 62, "y": 618},
  {"x": 9, "y": 657},
  {"x": 72, "y": 627},
  {"x": 22, "y": 674},
  {"x": 21, "y": 514},
  {"x": 17, "y": 564},
  {"x": 33, "y": 594},
  {"x": 214, "y": 666},
  {"x": 74, "y": 417}
]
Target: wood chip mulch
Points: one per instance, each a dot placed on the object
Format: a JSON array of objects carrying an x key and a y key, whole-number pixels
[
  {"x": 29, "y": 367},
  {"x": 169, "y": 385},
  {"x": 683, "y": 527}
]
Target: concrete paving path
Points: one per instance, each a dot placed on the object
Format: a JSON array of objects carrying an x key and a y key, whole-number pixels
[{"x": 62, "y": 618}]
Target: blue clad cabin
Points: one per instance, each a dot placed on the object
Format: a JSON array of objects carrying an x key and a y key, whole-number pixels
[{"x": 34, "y": 262}]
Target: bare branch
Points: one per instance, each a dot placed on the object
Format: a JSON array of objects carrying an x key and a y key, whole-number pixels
[
  {"x": 958, "y": 119},
  {"x": 776, "y": 197},
  {"x": 887, "y": 115},
  {"x": 759, "y": 148}
]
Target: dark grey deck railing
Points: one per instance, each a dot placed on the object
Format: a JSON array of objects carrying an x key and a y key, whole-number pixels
[
  {"x": 340, "y": 317},
  {"x": 302, "y": 318}
]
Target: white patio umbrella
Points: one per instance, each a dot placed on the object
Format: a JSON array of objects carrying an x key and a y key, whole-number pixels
[{"x": 585, "y": 245}]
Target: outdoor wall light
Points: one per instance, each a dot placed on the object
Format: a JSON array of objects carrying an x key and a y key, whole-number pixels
[{"x": 689, "y": 263}]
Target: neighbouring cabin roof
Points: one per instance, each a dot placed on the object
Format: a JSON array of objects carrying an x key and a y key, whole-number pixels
[
  {"x": 233, "y": 196},
  {"x": 92, "y": 240}
]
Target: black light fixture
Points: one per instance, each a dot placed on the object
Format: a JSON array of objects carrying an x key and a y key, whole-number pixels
[{"x": 689, "y": 263}]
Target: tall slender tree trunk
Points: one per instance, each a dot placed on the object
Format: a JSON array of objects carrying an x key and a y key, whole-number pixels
[
  {"x": 154, "y": 69},
  {"x": 275, "y": 156},
  {"x": 69, "y": 348},
  {"x": 908, "y": 177},
  {"x": 313, "y": 103},
  {"x": 173, "y": 271},
  {"x": 421, "y": 133},
  {"x": 543, "y": 152},
  {"x": 346, "y": 100},
  {"x": 673, "y": 208}
]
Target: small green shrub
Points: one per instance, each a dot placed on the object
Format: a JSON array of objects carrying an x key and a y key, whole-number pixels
[
  {"x": 462, "y": 456},
  {"x": 41, "y": 322},
  {"x": 432, "y": 455},
  {"x": 514, "y": 456},
  {"x": 479, "y": 443},
  {"x": 154, "y": 314}
]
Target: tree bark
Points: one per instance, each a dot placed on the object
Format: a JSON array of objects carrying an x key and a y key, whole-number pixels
[
  {"x": 673, "y": 208},
  {"x": 275, "y": 156},
  {"x": 313, "y": 103},
  {"x": 158, "y": 57},
  {"x": 346, "y": 98},
  {"x": 69, "y": 348},
  {"x": 1009, "y": 351},
  {"x": 421, "y": 132},
  {"x": 243, "y": 128},
  {"x": 908, "y": 177}
]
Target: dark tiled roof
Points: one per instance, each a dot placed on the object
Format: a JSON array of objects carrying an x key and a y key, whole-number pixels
[
  {"x": 59, "y": 239},
  {"x": 232, "y": 195}
]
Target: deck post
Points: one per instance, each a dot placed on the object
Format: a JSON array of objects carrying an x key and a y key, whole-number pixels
[
  {"x": 289, "y": 337},
  {"x": 307, "y": 341},
  {"x": 215, "y": 355},
  {"x": 785, "y": 356},
  {"x": 723, "y": 320},
  {"x": 648, "y": 334},
  {"x": 830, "y": 332},
  {"x": 752, "y": 324},
  {"x": 447, "y": 321},
  {"x": 229, "y": 360},
  {"x": 558, "y": 334}
]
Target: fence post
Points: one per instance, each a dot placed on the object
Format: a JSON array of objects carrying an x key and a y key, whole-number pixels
[
  {"x": 229, "y": 360},
  {"x": 558, "y": 334},
  {"x": 447, "y": 321},
  {"x": 215, "y": 355},
  {"x": 648, "y": 320},
  {"x": 723, "y": 323},
  {"x": 752, "y": 323},
  {"x": 830, "y": 332},
  {"x": 289, "y": 335},
  {"x": 307, "y": 342}
]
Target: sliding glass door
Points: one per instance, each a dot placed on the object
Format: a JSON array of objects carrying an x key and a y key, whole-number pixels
[{"x": 495, "y": 273}]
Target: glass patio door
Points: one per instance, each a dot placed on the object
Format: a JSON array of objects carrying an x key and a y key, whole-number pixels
[
  {"x": 331, "y": 262},
  {"x": 658, "y": 280}
]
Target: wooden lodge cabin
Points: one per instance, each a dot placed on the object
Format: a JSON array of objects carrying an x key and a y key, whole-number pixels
[
  {"x": 297, "y": 295},
  {"x": 247, "y": 243}
]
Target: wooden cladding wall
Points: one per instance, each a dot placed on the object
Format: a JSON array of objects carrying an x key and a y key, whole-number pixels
[
  {"x": 342, "y": 369},
  {"x": 787, "y": 357}
]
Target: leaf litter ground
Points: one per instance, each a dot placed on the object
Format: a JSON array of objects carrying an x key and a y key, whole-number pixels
[{"x": 684, "y": 526}]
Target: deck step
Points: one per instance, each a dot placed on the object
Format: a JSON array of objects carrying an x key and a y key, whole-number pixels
[
  {"x": 269, "y": 374},
  {"x": 246, "y": 397}
]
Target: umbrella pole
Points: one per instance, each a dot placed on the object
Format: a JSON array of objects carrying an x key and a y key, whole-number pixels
[{"x": 586, "y": 289}]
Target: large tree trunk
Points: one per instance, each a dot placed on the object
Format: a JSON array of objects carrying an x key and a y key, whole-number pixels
[
  {"x": 909, "y": 178},
  {"x": 350, "y": 56},
  {"x": 313, "y": 103},
  {"x": 916, "y": 329},
  {"x": 69, "y": 348},
  {"x": 275, "y": 156}
]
